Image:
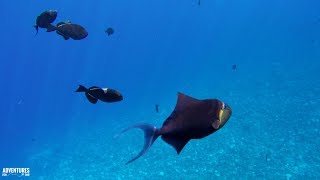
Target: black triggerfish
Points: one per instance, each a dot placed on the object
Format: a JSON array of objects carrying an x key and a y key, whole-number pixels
[
  {"x": 94, "y": 94},
  {"x": 109, "y": 31},
  {"x": 69, "y": 30},
  {"x": 45, "y": 19},
  {"x": 191, "y": 119}
]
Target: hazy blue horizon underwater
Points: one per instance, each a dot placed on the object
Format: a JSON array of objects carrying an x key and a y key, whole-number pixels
[{"x": 160, "y": 48}]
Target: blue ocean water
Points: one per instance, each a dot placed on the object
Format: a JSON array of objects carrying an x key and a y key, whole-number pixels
[{"x": 160, "y": 48}]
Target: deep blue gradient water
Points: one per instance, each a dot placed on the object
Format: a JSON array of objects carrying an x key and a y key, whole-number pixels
[{"x": 159, "y": 48}]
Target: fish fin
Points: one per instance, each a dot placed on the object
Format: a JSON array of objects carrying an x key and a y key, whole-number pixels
[
  {"x": 65, "y": 37},
  {"x": 177, "y": 142},
  {"x": 51, "y": 28},
  {"x": 37, "y": 29},
  {"x": 92, "y": 99},
  {"x": 216, "y": 124},
  {"x": 81, "y": 89},
  {"x": 150, "y": 135},
  {"x": 184, "y": 101}
]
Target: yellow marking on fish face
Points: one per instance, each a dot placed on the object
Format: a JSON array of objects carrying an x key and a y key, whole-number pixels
[
  {"x": 221, "y": 111},
  {"x": 224, "y": 114}
]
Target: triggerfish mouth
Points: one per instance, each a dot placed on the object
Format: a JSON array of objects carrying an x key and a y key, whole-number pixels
[{"x": 191, "y": 119}]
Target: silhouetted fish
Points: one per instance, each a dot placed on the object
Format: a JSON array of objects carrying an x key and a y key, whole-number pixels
[
  {"x": 157, "y": 108},
  {"x": 109, "y": 31},
  {"x": 191, "y": 119},
  {"x": 69, "y": 30},
  {"x": 234, "y": 67},
  {"x": 94, "y": 94},
  {"x": 45, "y": 19}
]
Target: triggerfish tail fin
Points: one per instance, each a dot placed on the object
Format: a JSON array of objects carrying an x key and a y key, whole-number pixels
[
  {"x": 37, "y": 29},
  {"x": 150, "y": 135},
  {"x": 81, "y": 89}
]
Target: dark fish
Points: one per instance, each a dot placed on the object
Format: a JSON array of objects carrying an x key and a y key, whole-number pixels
[
  {"x": 69, "y": 30},
  {"x": 157, "y": 108},
  {"x": 33, "y": 139},
  {"x": 61, "y": 23},
  {"x": 191, "y": 119},
  {"x": 109, "y": 31},
  {"x": 199, "y": 2},
  {"x": 45, "y": 19},
  {"x": 234, "y": 67},
  {"x": 94, "y": 94}
]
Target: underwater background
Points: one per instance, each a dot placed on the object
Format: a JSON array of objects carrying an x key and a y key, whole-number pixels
[{"x": 160, "y": 48}]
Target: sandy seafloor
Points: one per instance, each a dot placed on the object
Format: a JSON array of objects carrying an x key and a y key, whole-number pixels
[{"x": 273, "y": 134}]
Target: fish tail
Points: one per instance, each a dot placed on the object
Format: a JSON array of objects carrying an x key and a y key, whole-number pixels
[
  {"x": 37, "y": 29},
  {"x": 51, "y": 28},
  {"x": 150, "y": 135},
  {"x": 81, "y": 89}
]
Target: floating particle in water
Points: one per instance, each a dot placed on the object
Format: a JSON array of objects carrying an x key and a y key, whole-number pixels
[{"x": 20, "y": 102}]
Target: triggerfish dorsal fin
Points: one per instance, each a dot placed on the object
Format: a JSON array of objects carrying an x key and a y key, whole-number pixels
[
  {"x": 184, "y": 101},
  {"x": 150, "y": 135},
  {"x": 177, "y": 142}
]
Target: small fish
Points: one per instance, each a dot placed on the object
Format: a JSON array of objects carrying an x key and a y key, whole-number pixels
[
  {"x": 109, "y": 31},
  {"x": 234, "y": 67},
  {"x": 69, "y": 30},
  {"x": 199, "y": 2},
  {"x": 191, "y": 119},
  {"x": 157, "y": 108},
  {"x": 45, "y": 19},
  {"x": 94, "y": 94},
  {"x": 33, "y": 139}
]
